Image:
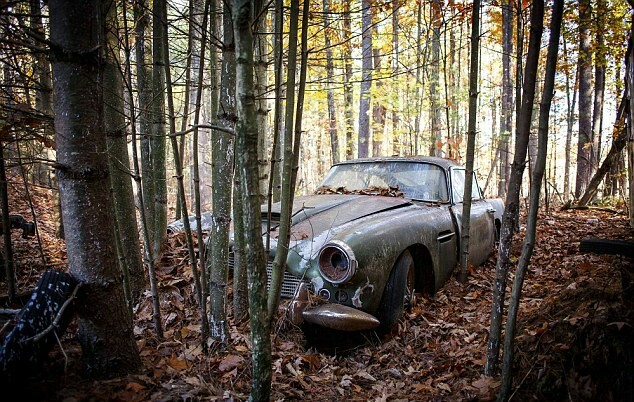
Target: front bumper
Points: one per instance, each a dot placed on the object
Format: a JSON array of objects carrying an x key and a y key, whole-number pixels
[{"x": 331, "y": 315}]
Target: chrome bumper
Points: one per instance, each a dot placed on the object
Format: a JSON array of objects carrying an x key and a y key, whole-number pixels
[{"x": 333, "y": 316}]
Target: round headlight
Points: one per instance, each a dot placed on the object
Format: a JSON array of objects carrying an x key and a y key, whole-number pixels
[{"x": 337, "y": 263}]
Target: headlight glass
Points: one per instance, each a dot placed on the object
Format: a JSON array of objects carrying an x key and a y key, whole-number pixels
[{"x": 337, "y": 262}]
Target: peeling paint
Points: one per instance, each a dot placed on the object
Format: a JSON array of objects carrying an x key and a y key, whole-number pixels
[{"x": 356, "y": 299}]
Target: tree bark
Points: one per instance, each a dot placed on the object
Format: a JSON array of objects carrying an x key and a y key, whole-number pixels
[
  {"x": 511, "y": 208},
  {"x": 378, "y": 109},
  {"x": 222, "y": 173},
  {"x": 436, "y": 124},
  {"x": 159, "y": 139},
  {"x": 611, "y": 159},
  {"x": 473, "y": 113},
  {"x": 144, "y": 89},
  {"x": 570, "y": 121},
  {"x": 9, "y": 270},
  {"x": 536, "y": 183},
  {"x": 288, "y": 184},
  {"x": 366, "y": 79},
  {"x": 119, "y": 161},
  {"x": 347, "y": 86},
  {"x": 584, "y": 146},
  {"x": 247, "y": 163},
  {"x": 105, "y": 330},
  {"x": 507, "y": 96},
  {"x": 330, "y": 74}
]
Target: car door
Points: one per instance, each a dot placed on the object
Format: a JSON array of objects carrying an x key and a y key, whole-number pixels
[{"x": 482, "y": 225}]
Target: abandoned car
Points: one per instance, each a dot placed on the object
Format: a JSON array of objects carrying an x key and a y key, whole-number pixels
[{"x": 375, "y": 232}]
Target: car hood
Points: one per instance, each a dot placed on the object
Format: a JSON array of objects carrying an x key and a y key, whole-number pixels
[{"x": 316, "y": 214}]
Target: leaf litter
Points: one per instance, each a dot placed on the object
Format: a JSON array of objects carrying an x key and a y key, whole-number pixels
[{"x": 574, "y": 334}]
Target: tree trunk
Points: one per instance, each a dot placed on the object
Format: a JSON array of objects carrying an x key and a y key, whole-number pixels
[
  {"x": 44, "y": 103},
  {"x": 330, "y": 74},
  {"x": 222, "y": 172},
  {"x": 141, "y": 200},
  {"x": 570, "y": 121},
  {"x": 347, "y": 86},
  {"x": 584, "y": 146},
  {"x": 9, "y": 270},
  {"x": 436, "y": 124},
  {"x": 536, "y": 183},
  {"x": 198, "y": 152},
  {"x": 473, "y": 114},
  {"x": 366, "y": 79},
  {"x": 247, "y": 163},
  {"x": 378, "y": 109},
  {"x": 105, "y": 328},
  {"x": 288, "y": 185},
  {"x": 599, "y": 86},
  {"x": 144, "y": 90},
  {"x": 611, "y": 161},
  {"x": 507, "y": 96},
  {"x": 396, "y": 104},
  {"x": 511, "y": 208},
  {"x": 158, "y": 140},
  {"x": 119, "y": 161}
]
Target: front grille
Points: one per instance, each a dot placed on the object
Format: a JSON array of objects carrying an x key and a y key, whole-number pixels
[{"x": 290, "y": 283}]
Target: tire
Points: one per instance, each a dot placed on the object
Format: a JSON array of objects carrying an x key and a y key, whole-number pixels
[
  {"x": 19, "y": 351},
  {"x": 397, "y": 292},
  {"x": 602, "y": 246}
]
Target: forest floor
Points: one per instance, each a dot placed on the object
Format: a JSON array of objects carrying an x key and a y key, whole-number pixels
[{"x": 574, "y": 336}]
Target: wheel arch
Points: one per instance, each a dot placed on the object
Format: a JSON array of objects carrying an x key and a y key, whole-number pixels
[{"x": 425, "y": 279}]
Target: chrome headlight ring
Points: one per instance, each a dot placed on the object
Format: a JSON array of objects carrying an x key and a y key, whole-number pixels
[{"x": 337, "y": 262}]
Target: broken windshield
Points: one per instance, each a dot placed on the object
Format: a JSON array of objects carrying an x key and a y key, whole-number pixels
[{"x": 416, "y": 180}]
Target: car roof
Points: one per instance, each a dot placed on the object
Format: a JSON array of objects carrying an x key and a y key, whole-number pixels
[{"x": 442, "y": 162}]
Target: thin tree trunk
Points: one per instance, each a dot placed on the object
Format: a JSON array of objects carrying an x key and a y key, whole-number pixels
[
  {"x": 119, "y": 162},
  {"x": 511, "y": 208},
  {"x": 158, "y": 140},
  {"x": 181, "y": 187},
  {"x": 204, "y": 292},
  {"x": 538, "y": 175},
  {"x": 144, "y": 89},
  {"x": 105, "y": 330},
  {"x": 473, "y": 113},
  {"x": 611, "y": 159},
  {"x": 378, "y": 109},
  {"x": 222, "y": 172},
  {"x": 599, "y": 86},
  {"x": 570, "y": 120},
  {"x": 288, "y": 185},
  {"x": 247, "y": 140},
  {"x": 436, "y": 124},
  {"x": 366, "y": 79},
  {"x": 9, "y": 271},
  {"x": 141, "y": 200},
  {"x": 330, "y": 74},
  {"x": 584, "y": 146},
  {"x": 347, "y": 86},
  {"x": 507, "y": 97},
  {"x": 396, "y": 104}
]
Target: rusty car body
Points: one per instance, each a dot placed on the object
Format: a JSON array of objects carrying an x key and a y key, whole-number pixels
[{"x": 376, "y": 231}]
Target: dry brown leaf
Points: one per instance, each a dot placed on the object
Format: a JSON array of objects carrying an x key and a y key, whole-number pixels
[{"x": 230, "y": 362}]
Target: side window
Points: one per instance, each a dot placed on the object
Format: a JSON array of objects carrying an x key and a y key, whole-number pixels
[{"x": 457, "y": 186}]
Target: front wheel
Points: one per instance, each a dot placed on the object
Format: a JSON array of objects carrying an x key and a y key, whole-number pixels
[{"x": 398, "y": 291}]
